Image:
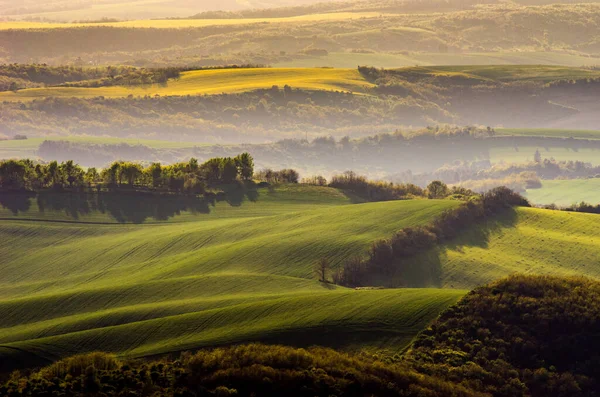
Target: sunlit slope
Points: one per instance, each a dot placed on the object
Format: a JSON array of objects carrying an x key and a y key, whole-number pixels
[
  {"x": 61, "y": 255},
  {"x": 215, "y": 82},
  {"x": 193, "y": 23},
  {"x": 530, "y": 241},
  {"x": 475, "y": 74},
  {"x": 566, "y": 192},
  {"x": 152, "y": 288},
  {"x": 380, "y": 319}
]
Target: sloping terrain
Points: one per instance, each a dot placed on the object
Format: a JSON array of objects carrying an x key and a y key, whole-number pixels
[
  {"x": 526, "y": 241},
  {"x": 215, "y": 82},
  {"x": 145, "y": 289}
]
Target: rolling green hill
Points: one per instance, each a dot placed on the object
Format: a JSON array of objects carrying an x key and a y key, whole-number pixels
[
  {"x": 237, "y": 274},
  {"x": 527, "y": 240},
  {"x": 566, "y": 192}
]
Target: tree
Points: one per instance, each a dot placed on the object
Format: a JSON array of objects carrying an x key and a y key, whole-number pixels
[
  {"x": 437, "y": 190},
  {"x": 112, "y": 174},
  {"x": 53, "y": 175},
  {"x": 245, "y": 165},
  {"x": 12, "y": 174},
  {"x": 155, "y": 174},
  {"x": 131, "y": 172},
  {"x": 537, "y": 157},
  {"x": 322, "y": 269},
  {"x": 211, "y": 170},
  {"x": 229, "y": 170},
  {"x": 71, "y": 172},
  {"x": 91, "y": 176}
]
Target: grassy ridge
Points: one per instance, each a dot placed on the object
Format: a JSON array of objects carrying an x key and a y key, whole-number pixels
[
  {"x": 530, "y": 241},
  {"x": 566, "y": 192},
  {"x": 388, "y": 318},
  {"x": 393, "y": 60},
  {"x": 286, "y": 244},
  {"x": 146, "y": 289},
  {"x": 500, "y": 73},
  {"x": 193, "y": 23},
  {"x": 214, "y": 82}
]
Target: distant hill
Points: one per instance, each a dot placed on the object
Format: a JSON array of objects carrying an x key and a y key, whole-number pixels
[{"x": 63, "y": 10}]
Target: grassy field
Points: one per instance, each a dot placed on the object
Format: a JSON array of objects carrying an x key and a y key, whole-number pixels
[
  {"x": 193, "y": 23},
  {"x": 207, "y": 82},
  {"x": 393, "y": 60},
  {"x": 528, "y": 240},
  {"x": 237, "y": 274},
  {"x": 214, "y": 82},
  {"x": 501, "y": 73},
  {"x": 565, "y": 193}
]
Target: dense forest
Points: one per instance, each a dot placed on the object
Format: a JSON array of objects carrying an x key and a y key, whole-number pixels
[{"x": 523, "y": 336}]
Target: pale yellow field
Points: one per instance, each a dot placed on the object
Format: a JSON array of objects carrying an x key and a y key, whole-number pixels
[
  {"x": 215, "y": 82},
  {"x": 192, "y": 23}
]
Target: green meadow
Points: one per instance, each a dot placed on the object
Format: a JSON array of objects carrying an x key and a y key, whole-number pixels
[
  {"x": 566, "y": 192},
  {"x": 526, "y": 241},
  {"x": 236, "y": 274}
]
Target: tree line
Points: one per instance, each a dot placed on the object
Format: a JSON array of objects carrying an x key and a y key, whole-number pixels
[
  {"x": 187, "y": 177},
  {"x": 387, "y": 257}
]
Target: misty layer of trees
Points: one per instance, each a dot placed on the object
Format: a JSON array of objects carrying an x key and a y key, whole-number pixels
[
  {"x": 190, "y": 177},
  {"x": 252, "y": 117},
  {"x": 14, "y": 77},
  {"x": 520, "y": 28},
  {"x": 523, "y": 336},
  {"x": 386, "y": 258}
]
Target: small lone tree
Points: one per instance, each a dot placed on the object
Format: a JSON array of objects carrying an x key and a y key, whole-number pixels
[
  {"x": 322, "y": 269},
  {"x": 537, "y": 157}
]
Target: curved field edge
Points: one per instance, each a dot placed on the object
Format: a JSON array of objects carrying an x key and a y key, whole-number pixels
[
  {"x": 384, "y": 319},
  {"x": 210, "y": 82}
]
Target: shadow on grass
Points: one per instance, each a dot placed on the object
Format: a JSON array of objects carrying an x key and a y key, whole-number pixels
[
  {"x": 426, "y": 269},
  {"x": 124, "y": 206}
]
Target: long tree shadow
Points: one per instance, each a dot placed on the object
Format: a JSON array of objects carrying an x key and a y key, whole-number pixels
[
  {"x": 426, "y": 269},
  {"x": 124, "y": 206},
  {"x": 16, "y": 202}
]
